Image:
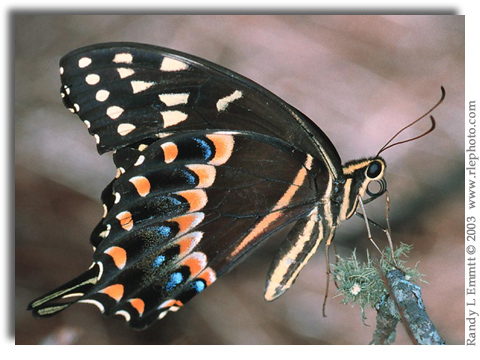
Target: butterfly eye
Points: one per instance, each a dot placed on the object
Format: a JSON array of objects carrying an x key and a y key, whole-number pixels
[{"x": 374, "y": 169}]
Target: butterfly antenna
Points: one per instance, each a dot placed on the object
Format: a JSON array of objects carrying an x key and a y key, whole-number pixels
[{"x": 432, "y": 127}]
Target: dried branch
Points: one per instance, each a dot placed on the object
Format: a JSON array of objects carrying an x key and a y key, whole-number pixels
[
  {"x": 392, "y": 291},
  {"x": 404, "y": 303}
]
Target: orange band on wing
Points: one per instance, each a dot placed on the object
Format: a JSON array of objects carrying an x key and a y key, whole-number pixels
[{"x": 262, "y": 226}]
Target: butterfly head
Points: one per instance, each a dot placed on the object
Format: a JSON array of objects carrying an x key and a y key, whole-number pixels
[{"x": 357, "y": 176}]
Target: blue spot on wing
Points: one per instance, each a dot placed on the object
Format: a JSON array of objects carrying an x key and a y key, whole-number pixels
[
  {"x": 190, "y": 178},
  {"x": 205, "y": 148},
  {"x": 163, "y": 231},
  {"x": 158, "y": 261},
  {"x": 175, "y": 279},
  {"x": 198, "y": 285}
]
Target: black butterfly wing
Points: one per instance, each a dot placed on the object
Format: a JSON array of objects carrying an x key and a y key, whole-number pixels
[
  {"x": 209, "y": 164},
  {"x": 176, "y": 223},
  {"x": 128, "y": 92}
]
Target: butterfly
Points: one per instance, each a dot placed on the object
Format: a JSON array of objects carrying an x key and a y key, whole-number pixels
[{"x": 209, "y": 164}]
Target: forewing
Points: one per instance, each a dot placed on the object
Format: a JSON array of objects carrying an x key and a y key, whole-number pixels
[{"x": 130, "y": 92}]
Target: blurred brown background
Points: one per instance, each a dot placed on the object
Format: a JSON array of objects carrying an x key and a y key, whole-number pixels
[{"x": 360, "y": 78}]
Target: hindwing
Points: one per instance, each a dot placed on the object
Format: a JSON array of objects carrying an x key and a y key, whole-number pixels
[{"x": 175, "y": 224}]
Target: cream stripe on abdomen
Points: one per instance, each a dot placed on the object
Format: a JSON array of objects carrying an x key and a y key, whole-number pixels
[{"x": 290, "y": 258}]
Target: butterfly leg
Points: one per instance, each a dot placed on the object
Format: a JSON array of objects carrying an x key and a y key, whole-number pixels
[
  {"x": 327, "y": 260},
  {"x": 386, "y": 231}
]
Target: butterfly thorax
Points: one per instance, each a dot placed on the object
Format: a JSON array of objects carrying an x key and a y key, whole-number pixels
[{"x": 353, "y": 182}]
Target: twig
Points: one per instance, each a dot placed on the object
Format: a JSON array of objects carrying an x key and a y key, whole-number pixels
[{"x": 404, "y": 303}]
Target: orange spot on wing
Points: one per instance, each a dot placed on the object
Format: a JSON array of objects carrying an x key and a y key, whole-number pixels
[
  {"x": 196, "y": 198},
  {"x": 208, "y": 275},
  {"x": 119, "y": 256},
  {"x": 196, "y": 262},
  {"x": 138, "y": 304},
  {"x": 205, "y": 173},
  {"x": 223, "y": 148},
  {"x": 126, "y": 220},
  {"x": 188, "y": 242},
  {"x": 142, "y": 185},
  {"x": 114, "y": 291},
  {"x": 170, "y": 151},
  {"x": 189, "y": 221}
]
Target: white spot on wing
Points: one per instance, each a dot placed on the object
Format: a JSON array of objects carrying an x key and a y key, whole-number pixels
[
  {"x": 171, "y": 118},
  {"x": 169, "y": 64},
  {"x": 125, "y": 72},
  {"x": 223, "y": 103},
  {"x": 102, "y": 95},
  {"x": 174, "y": 99},
  {"x": 98, "y": 304},
  {"x": 126, "y": 58},
  {"x": 84, "y": 62},
  {"x": 125, "y": 314},
  {"x": 139, "y": 161},
  {"x": 106, "y": 232},
  {"x": 92, "y": 79},
  {"x": 100, "y": 268},
  {"x": 124, "y": 129},
  {"x": 139, "y": 86},
  {"x": 114, "y": 112}
]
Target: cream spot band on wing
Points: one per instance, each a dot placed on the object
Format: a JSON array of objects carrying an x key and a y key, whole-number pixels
[
  {"x": 261, "y": 226},
  {"x": 82, "y": 63},
  {"x": 174, "y": 99},
  {"x": 139, "y": 86},
  {"x": 125, "y": 72},
  {"x": 223, "y": 103},
  {"x": 125, "y": 58},
  {"x": 169, "y": 64},
  {"x": 173, "y": 117}
]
